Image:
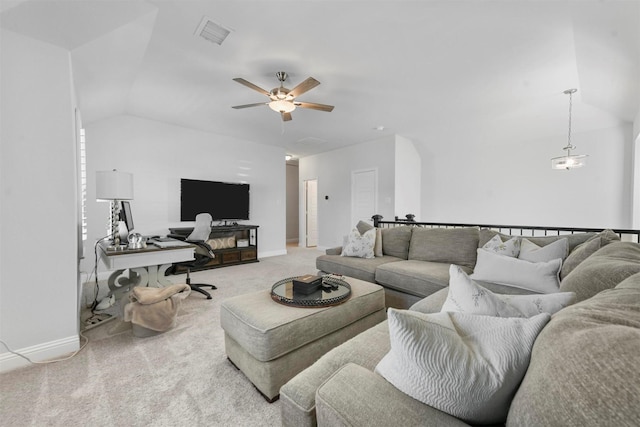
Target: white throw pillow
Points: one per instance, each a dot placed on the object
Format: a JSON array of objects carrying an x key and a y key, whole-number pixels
[
  {"x": 529, "y": 251},
  {"x": 466, "y": 296},
  {"x": 360, "y": 245},
  {"x": 465, "y": 365},
  {"x": 509, "y": 248},
  {"x": 542, "y": 277}
]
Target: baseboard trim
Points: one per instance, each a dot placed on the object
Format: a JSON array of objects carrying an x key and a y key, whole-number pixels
[
  {"x": 272, "y": 253},
  {"x": 39, "y": 353}
]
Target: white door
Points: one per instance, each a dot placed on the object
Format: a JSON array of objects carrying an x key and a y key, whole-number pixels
[
  {"x": 311, "y": 206},
  {"x": 364, "y": 190}
]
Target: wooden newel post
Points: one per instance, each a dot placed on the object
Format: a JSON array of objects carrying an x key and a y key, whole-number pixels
[{"x": 376, "y": 220}]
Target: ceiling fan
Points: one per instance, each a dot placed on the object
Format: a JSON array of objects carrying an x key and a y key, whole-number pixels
[{"x": 283, "y": 99}]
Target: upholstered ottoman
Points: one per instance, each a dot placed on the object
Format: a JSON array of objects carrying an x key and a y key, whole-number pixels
[{"x": 271, "y": 343}]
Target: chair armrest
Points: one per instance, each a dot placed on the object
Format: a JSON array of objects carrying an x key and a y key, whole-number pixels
[
  {"x": 334, "y": 251},
  {"x": 177, "y": 237},
  {"x": 206, "y": 250}
]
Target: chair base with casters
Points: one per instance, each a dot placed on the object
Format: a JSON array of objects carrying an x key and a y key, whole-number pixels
[{"x": 198, "y": 286}]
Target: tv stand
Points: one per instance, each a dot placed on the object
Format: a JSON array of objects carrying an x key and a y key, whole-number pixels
[{"x": 225, "y": 257}]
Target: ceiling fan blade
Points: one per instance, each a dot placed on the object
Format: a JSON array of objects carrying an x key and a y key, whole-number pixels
[
  {"x": 251, "y": 85},
  {"x": 237, "y": 107},
  {"x": 306, "y": 85},
  {"x": 285, "y": 116},
  {"x": 314, "y": 106}
]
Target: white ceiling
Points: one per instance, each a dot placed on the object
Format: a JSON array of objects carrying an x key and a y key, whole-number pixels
[{"x": 421, "y": 69}]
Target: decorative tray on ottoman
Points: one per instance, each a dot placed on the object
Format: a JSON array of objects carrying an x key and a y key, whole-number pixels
[{"x": 311, "y": 291}]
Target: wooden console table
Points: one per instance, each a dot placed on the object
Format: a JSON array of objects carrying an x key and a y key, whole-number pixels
[{"x": 225, "y": 257}]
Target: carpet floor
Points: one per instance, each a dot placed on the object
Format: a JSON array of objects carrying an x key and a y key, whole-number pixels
[{"x": 179, "y": 378}]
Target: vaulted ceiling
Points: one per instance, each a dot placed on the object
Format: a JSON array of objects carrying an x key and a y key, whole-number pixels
[{"x": 420, "y": 69}]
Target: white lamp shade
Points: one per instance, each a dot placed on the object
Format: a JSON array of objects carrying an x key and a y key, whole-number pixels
[{"x": 114, "y": 185}]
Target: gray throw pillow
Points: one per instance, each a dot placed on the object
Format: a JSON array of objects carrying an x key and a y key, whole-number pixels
[
  {"x": 579, "y": 254},
  {"x": 586, "y": 249},
  {"x": 363, "y": 227},
  {"x": 603, "y": 270}
]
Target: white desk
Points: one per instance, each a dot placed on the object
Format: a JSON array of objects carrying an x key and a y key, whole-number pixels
[{"x": 146, "y": 266}]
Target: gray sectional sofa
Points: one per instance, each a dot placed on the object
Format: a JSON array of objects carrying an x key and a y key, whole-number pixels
[
  {"x": 415, "y": 261},
  {"x": 583, "y": 369}
]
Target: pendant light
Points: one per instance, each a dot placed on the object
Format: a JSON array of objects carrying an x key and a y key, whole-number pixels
[{"x": 569, "y": 161}]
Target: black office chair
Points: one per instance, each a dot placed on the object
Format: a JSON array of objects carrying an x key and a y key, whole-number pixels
[{"x": 203, "y": 253}]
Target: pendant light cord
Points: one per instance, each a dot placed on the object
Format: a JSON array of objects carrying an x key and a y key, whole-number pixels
[{"x": 569, "y": 146}]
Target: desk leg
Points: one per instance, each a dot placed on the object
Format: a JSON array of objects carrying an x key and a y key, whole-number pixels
[
  {"x": 156, "y": 276},
  {"x": 119, "y": 284}
]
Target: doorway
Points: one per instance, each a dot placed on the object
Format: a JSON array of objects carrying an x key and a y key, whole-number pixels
[
  {"x": 311, "y": 212},
  {"x": 364, "y": 190}
]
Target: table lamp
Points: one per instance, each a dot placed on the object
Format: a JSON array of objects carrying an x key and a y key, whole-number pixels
[{"x": 114, "y": 186}]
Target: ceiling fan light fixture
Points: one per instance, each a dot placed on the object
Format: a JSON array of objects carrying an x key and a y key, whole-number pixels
[{"x": 282, "y": 106}]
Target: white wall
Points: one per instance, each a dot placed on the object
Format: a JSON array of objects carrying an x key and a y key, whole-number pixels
[
  {"x": 333, "y": 172},
  {"x": 159, "y": 154},
  {"x": 408, "y": 184},
  {"x": 635, "y": 186},
  {"x": 38, "y": 232},
  {"x": 511, "y": 182}
]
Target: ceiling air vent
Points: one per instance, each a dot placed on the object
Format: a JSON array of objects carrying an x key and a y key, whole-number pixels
[{"x": 212, "y": 31}]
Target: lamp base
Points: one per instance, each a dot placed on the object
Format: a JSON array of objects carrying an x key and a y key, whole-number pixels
[{"x": 116, "y": 247}]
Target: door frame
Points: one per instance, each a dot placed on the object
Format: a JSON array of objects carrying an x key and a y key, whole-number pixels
[
  {"x": 375, "y": 191},
  {"x": 306, "y": 212}
]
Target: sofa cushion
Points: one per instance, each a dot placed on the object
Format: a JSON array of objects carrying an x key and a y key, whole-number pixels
[
  {"x": 297, "y": 397},
  {"x": 542, "y": 277},
  {"x": 467, "y": 296},
  {"x": 573, "y": 239},
  {"x": 465, "y": 365},
  {"x": 603, "y": 270},
  {"x": 340, "y": 402},
  {"x": 447, "y": 245},
  {"x": 584, "y": 365},
  {"x": 360, "y": 268},
  {"x": 420, "y": 278},
  {"x": 395, "y": 241}
]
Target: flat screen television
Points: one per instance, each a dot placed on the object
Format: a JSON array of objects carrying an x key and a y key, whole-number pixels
[{"x": 223, "y": 200}]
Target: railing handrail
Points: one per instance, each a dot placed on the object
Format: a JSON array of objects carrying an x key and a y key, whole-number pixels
[{"x": 377, "y": 222}]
